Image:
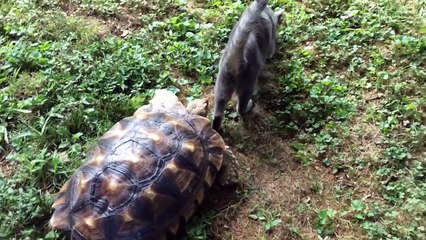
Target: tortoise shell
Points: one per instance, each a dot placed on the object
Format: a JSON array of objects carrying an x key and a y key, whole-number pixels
[{"x": 143, "y": 179}]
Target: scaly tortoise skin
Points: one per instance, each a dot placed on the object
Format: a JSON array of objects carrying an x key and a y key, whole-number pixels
[{"x": 144, "y": 178}]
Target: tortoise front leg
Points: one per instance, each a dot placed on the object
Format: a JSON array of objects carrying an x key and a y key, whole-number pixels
[{"x": 228, "y": 173}]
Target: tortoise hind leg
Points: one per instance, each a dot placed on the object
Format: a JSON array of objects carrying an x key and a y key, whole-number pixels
[
  {"x": 180, "y": 233},
  {"x": 182, "y": 236},
  {"x": 228, "y": 173}
]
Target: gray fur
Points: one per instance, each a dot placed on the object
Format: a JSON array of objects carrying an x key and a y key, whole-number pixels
[{"x": 251, "y": 42}]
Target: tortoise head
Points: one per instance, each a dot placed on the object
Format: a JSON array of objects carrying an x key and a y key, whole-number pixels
[{"x": 165, "y": 101}]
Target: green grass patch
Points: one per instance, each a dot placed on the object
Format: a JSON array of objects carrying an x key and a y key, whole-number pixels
[{"x": 349, "y": 91}]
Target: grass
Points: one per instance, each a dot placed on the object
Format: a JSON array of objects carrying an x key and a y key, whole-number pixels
[{"x": 342, "y": 152}]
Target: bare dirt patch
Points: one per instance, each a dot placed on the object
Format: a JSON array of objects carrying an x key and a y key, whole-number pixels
[
  {"x": 120, "y": 27},
  {"x": 7, "y": 168},
  {"x": 118, "y": 24},
  {"x": 273, "y": 181},
  {"x": 287, "y": 188},
  {"x": 102, "y": 28},
  {"x": 128, "y": 18}
]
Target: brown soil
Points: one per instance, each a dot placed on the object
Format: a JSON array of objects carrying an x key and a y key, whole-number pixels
[
  {"x": 6, "y": 167},
  {"x": 273, "y": 180},
  {"x": 120, "y": 25},
  {"x": 128, "y": 20}
]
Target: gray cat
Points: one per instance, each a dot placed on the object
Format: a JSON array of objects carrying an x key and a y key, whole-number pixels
[{"x": 251, "y": 42}]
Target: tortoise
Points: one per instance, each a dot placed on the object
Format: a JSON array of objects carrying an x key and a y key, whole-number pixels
[{"x": 146, "y": 176}]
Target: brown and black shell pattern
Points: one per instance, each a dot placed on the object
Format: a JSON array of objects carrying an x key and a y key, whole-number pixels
[{"x": 143, "y": 179}]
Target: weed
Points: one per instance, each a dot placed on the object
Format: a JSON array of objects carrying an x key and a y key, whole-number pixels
[
  {"x": 269, "y": 219},
  {"x": 324, "y": 224}
]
